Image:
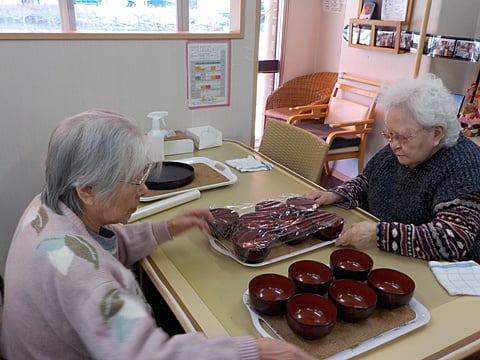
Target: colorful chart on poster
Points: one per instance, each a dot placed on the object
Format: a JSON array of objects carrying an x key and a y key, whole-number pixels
[{"x": 208, "y": 66}]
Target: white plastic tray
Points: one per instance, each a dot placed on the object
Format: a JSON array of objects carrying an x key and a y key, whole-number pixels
[
  {"x": 215, "y": 165},
  {"x": 421, "y": 319},
  {"x": 217, "y": 246}
]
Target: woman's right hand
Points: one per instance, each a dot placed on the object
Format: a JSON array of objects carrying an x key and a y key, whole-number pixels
[
  {"x": 191, "y": 218},
  {"x": 323, "y": 197},
  {"x": 271, "y": 349}
]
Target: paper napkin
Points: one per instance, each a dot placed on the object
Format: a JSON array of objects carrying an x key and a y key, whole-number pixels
[
  {"x": 458, "y": 278},
  {"x": 250, "y": 163}
]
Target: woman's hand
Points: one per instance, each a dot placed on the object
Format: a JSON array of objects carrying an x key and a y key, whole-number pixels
[
  {"x": 189, "y": 219},
  {"x": 270, "y": 349},
  {"x": 360, "y": 235},
  {"x": 322, "y": 197}
]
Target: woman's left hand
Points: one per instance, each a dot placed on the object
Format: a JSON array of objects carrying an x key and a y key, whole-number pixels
[
  {"x": 189, "y": 219},
  {"x": 360, "y": 235}
]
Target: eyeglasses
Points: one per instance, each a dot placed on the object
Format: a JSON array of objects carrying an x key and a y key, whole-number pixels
[
  {"x": 144, "y": 177},
  {"x": 401, "y": 139}
]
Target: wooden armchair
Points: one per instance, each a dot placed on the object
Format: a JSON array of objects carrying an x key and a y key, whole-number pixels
[
  {"x": 308, "y": 89},
  {"x": 345, "y": 121}
]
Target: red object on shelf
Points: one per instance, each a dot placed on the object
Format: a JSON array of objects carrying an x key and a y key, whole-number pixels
[{"x": 470, "y": 119}]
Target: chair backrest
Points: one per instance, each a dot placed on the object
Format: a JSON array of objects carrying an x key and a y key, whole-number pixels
[
  {"x": 303, "y": 90},
  {"x": 295, "y": 148},
  {"x": 351, "y": 103}
]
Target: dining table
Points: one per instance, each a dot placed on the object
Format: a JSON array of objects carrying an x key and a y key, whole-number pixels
[{"x": 204, "y": 288}]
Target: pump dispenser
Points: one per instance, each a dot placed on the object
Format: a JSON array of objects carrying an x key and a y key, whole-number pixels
[{"x": 157, "y": 136}]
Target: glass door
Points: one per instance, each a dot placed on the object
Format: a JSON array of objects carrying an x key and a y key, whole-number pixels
[{"x": 269, "y": 57}]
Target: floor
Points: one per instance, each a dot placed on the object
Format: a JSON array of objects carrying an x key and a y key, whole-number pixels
[{"x": 329, "y": 181}]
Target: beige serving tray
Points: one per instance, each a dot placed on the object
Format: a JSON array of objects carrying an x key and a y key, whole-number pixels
[
  {"x": 347, "y": 339},
  {"x": 209, "y": 174}
]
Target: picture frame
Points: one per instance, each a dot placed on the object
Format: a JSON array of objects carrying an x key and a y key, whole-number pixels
[
  {"x": 442, "y": 46},
  {"x": 467, "y": 50},
  {"x": 355, "y": 34},
  {"x": 367, "y": 10},
  {"x": 364, "y": 35},
  {"x": 416, "y": 40},
  {"x": 385, "y": 38},
  {"x": 405, "y": 40}
]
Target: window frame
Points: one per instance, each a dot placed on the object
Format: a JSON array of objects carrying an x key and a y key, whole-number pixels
[{"x": 67, "y": 15}]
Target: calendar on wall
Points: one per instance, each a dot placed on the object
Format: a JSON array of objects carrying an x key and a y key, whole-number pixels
[{"x": 208, "y": 73}]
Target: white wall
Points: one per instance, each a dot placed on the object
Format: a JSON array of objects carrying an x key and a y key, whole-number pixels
[
  {"x": 42, "y": 82},
  {"x": 313, "y": 39},
  {"x": 456, "y": 74}
]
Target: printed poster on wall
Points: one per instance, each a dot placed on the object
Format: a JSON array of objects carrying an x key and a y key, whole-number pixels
[
  {"x": 208, "y": 73},
  {"x": 334, "y": 6},
  {"x": 394, "y": 10}
]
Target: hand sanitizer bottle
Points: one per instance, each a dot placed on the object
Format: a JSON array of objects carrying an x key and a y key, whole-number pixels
[{"x": 156, "y": 135}]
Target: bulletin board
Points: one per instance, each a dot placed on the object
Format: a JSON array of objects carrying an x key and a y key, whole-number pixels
[{"x": 208, "y": 73}]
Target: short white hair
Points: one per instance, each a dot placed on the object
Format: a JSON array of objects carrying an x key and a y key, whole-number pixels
[
  {"x": 96, "y": 147},
  {"x": 427, "y": 100}
]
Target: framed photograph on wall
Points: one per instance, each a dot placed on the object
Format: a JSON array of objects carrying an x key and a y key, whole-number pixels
[
  {"x": 355, "y": 33},
  {"x": 441, "y": 46},
  {"x": 364, "y": 36},
  {"x": 416, "y": 40},
  {"x": 405, "y": 40},
  {"x": 384, "y": 38},
  {"x": 467, "y": 50}
]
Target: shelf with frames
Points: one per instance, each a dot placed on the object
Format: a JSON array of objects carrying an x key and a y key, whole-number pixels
[{"x": 380, "y": 35}]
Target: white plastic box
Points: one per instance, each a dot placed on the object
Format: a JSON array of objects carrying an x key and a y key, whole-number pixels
[{"x": 204, "y": 136}]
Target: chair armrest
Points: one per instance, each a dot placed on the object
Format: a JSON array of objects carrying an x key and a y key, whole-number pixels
[
  {"x": 311, "y": 107},
  {"x": 309, "y": 112},
  {"x": 334, "y": 134}
]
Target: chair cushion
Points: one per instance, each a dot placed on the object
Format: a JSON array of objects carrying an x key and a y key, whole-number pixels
[{"x": 323, "y": 130}]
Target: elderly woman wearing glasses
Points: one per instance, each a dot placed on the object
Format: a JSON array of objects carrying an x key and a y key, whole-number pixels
[
  {"x": 68, "y": 290},
  {"x": 424, "y": 186}
]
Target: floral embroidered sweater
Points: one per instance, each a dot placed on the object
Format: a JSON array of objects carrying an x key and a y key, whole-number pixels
[{"x": 67, "y": 297}]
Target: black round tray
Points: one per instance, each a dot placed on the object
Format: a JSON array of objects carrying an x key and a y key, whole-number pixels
[{"x": 170, "y": 175}]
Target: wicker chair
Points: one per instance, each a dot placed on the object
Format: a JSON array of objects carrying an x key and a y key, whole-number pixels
[
  {"x": 304, "y": 90},
  {"x": 294, "y": 148}
]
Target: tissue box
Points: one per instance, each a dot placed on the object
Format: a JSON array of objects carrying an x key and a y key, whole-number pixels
[
  {"x": 178, "y": 144},
  {"x": 205, "y": 136}
]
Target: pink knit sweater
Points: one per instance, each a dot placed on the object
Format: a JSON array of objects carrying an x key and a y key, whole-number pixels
[{"x": 66, "y": 297}]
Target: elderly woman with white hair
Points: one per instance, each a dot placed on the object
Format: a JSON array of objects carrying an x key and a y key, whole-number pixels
[
  {"x": 424, "y": 186},
  {"x": 68, "y": 291}
]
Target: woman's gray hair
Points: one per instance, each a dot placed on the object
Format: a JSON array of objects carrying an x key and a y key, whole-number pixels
[
  {"x": 96, "y": 148},
  {"x": 427, "y": 100}
]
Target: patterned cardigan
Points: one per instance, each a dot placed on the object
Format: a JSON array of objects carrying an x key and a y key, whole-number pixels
[{"x": 67, "y": 297}]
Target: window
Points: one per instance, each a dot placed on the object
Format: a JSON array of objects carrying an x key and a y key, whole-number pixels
[{"x": 119, "y": 18}]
